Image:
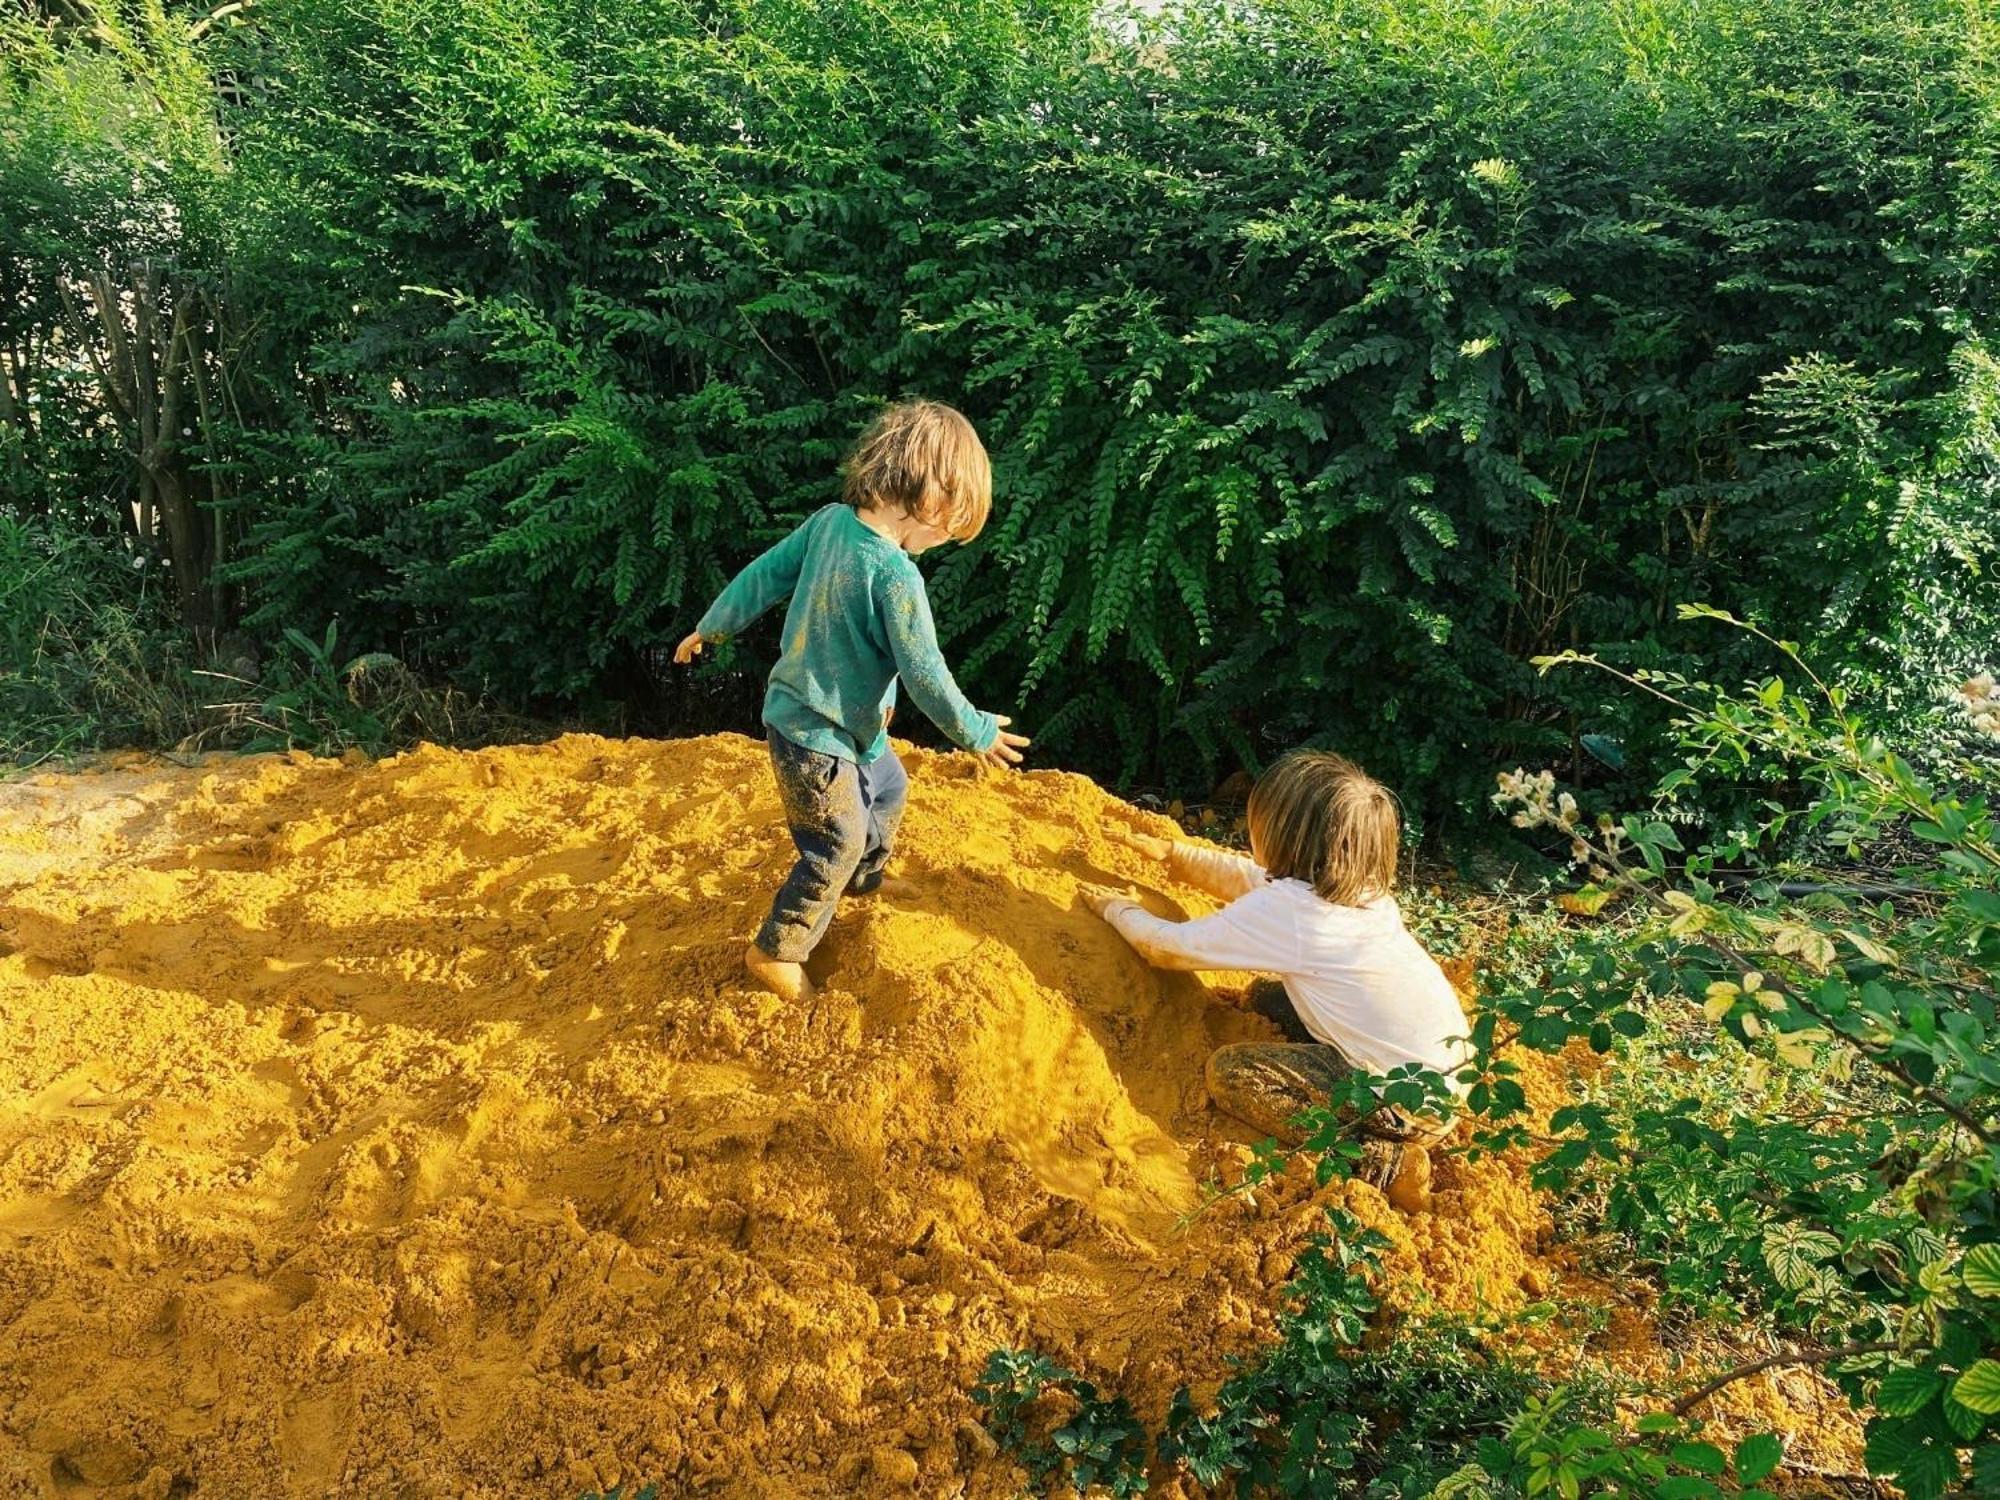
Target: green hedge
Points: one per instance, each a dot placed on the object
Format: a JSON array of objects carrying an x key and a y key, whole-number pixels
[{"x": 1336, "y": 357}]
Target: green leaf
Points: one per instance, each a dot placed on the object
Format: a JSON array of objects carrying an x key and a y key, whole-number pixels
[
  {"x": 1979, "y": 1387},
  {"x": 1960, "y": 1344},
  {"x": 1906, "y": 1391},
  {"x": 1757, "y": 1456},
  {"x": 1703, "y": 1458},
  {"x": 1982, "y": 1270},
  {"x": 1965, "y": 1423},
  {"x": 1927, "y": 1473},
  {"x": 1603, "y": 747},
  {"x": 1791, "y": 1251},
  {"x": 1891, "y": 1443},
  {"x": 1986, "y": 1468}
]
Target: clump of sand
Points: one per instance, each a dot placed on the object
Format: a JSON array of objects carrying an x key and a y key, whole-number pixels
[{"x": 408, "y": 1128}]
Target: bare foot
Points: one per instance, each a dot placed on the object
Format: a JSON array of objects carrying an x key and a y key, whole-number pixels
[
  {"x": 1410, "y": 1189},
  {"x": 786, "y": 981}
]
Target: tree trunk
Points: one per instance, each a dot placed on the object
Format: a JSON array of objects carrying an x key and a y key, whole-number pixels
[
  {"x": 187, "y": 548},
  {"x": 17, "y": 438},
  {"x": 144, "y": 344},
  {"x": 10, "y": 411},
  {"x": 218, "y": 534}
]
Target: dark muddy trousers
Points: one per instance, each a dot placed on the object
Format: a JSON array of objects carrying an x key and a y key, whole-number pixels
[
  {"x": 1266, "y": 1084},
  {"x": 843, "y": 819}
]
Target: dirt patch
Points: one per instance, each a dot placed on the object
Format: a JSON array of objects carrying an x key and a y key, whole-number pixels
[{"x": 406, "y": 1128}]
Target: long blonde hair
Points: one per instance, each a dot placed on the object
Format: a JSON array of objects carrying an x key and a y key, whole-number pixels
[
  {"x": 1318, "y": 817},
  {"x": 924, "y": 458}
]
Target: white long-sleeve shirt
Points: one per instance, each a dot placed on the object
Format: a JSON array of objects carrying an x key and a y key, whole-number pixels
[{"x": 1356, "y": 977}]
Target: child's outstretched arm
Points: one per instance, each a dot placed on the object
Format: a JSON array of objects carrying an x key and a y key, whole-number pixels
[
  {"x": 906, "y": 611},
  {"x": 1251, "y": 934},
  {"x": 1220, "y": 873},
  {"x": 760, "y": 585}
]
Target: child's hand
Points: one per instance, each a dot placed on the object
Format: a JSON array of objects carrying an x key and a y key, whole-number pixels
[
  {"x": 1100, "y": 898},
  {"x": 689, "y": 648},
  {"x": 1142, "y": 844},
  {"x": 1006, "y": 750}
]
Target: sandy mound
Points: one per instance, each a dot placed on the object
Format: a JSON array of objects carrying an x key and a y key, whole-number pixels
[{"x": 405, "y": 1128}]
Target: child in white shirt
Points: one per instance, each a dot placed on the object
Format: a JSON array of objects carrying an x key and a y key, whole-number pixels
[{"x": 1314, "y": 906}]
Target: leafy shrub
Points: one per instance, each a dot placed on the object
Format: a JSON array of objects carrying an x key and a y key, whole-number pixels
[
  {"x": 91, "y": 656},
  {"x": 121, "y": 367},
  {"x": 1337, "y": 355},
  {"x": 88, "y": 653},
  {"x": 1098, "y": 1444},
  {"x": 1438, "y": 1407},
  {"x": 1854, "y": 1195},
  {"x": 1322, "y": 1413},
  {"x": 311, "y": 700}
]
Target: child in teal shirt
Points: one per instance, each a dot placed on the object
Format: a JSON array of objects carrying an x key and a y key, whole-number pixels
[{"x": 859, "y": 620}]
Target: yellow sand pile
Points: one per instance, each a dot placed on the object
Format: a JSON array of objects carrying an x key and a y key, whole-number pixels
[{"x": 407, "y": 1129}]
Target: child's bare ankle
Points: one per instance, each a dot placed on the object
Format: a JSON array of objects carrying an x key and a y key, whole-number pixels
[{"x": 785, "y": 980}]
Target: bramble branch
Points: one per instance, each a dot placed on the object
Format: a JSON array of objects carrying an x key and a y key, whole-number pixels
[{"x": 1695, "y": 1397}]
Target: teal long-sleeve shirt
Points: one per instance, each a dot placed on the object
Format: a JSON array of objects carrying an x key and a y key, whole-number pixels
[{"x": 859, "y": 619}]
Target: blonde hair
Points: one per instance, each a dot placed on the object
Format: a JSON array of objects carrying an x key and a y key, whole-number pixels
[
  {"x": 1318, "y": 817},
  {"x": 923, "y": 457}
]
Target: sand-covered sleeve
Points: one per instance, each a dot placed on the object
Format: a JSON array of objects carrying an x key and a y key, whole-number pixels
[
  {"x": 1217, "y": 871},
  {"x": 762, "y": 584},
  {"x": 1255, "y": 933},
  {"x": 927, "y": 681}
]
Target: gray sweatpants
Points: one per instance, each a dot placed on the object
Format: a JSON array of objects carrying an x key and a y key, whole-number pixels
[{"x": 843, "y": 818}]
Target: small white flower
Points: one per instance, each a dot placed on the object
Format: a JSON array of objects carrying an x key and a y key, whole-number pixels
[{"x": 1980, "y": 697}]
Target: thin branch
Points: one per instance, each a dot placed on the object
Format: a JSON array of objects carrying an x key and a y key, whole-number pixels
[
  {"x": 220, "y": 13},
  {"x": 179, "y": 351},
  {"x": 113, "y": 396},
  {"x": 1695, "y": 1397},
  {"x": 1793, "y": 888},
  {"x": 758, "y": 335},
  {"x": 145, "y": 361}
]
